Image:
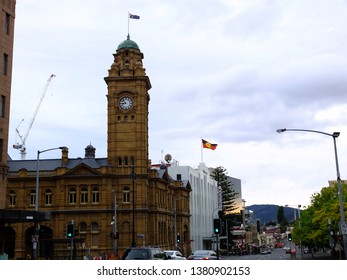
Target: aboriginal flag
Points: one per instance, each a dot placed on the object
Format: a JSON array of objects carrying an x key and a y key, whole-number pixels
[{"x": 208, "y": 145}]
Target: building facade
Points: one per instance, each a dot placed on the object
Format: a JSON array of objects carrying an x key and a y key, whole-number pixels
[
  {"x": 7, "y": 18},
  {"x": 203, "y": 202},
  {"x": 114, "y": 202}
]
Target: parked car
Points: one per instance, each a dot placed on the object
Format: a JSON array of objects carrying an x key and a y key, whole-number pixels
[
  {"x": 144, "y": 253},
  {"x": 203, "y": 255},
  {"x": 174, "y": 255}
]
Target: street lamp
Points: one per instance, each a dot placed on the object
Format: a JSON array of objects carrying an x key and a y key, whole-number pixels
[
  {"x": 36, "y": 241},
  {"x": 342, "y": 211},
  {"x": 37, "y": 174}
]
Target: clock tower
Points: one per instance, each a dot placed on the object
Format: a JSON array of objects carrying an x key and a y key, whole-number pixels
[{"x": 128, "y": 101}]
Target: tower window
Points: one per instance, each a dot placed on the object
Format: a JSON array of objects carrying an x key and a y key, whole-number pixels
[
  {"x": 126, "y": 161},
  {"x": 7, "y": 24},
  {"x": 4, "y": 64},
  {"x": 125, "y": 118},
  {"x": 2, "y": 106},
  {"x": 119, "y": 118}
]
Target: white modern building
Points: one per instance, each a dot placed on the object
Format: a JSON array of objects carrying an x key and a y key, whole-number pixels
[{"x": 203, "y": 202}]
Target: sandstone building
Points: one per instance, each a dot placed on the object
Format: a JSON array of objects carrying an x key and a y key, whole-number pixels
[{"x": 106, "y": 198}]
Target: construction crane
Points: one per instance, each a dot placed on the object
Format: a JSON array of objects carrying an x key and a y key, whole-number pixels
[{"x": 21, "y": 146}]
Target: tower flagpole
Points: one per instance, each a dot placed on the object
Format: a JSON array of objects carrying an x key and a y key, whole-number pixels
[{"x": 128, "y": 22}]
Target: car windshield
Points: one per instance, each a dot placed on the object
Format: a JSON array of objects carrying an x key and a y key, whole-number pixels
[
  {"x": 137, "y": 254},
  {"x": 201, "y": 253},
  {"x": 168, "y": 253}
]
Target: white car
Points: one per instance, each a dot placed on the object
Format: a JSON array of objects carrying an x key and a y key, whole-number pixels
[{"x": 174, "y": 255}]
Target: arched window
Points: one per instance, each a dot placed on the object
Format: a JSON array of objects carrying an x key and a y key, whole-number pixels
[
  {"x": 32, "y": 197},
  {"x": 126, "y": 194},
  {"x": 48, "y": 197},
  {"x": 84, "y": 195},
  {"x": 12, "y": 198},
  {"x": 72, "y": 195},
  {"x": 95, "y": 195}
]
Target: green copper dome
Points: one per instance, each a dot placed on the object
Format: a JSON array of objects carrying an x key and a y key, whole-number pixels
[{"x": 128, "y": 44}]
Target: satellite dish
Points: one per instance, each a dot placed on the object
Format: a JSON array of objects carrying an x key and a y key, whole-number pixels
[{"x": 168, "y": 158}]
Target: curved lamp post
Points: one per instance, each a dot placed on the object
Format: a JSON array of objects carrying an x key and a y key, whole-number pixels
[
  {"x": 36, "y": 241},
  {"x": 342, "y": 211},
  {"x": 37, "y": 174}
]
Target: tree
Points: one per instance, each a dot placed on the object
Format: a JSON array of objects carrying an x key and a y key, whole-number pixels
[
  {"x": 219, "y": 174},
  {"x": 313, "y": 229}
]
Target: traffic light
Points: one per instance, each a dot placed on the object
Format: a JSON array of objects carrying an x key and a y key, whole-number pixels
[
  {"x": 70, "y": 231},
  {"x": 216, "y": 226},
  {"x": 290, "y": 237},
  {"x": 178, "y": 238}
]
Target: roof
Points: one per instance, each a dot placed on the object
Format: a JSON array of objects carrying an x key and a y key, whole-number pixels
[
  {"x": 52, "y": 164},
  {"x": 128, "y": 44}
]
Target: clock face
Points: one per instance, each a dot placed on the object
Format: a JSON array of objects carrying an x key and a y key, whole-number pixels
[{"x": 126, "y": 103}]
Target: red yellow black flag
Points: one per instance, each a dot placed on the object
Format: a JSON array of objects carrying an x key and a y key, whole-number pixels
[{"x": 208, "y": 145}]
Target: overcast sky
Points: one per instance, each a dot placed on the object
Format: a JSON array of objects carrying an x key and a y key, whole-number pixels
[{"x": 228, "y": 71}]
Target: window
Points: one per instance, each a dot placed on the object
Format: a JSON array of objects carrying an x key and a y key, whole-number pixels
[
  {"x": 2, "y": 106},
  {"x": 126, "y": 161},
  {"x": 126, "y": 195},
  {"x": 48, "y": 197},
  {"x": 179, "y": 177},
  {"x": 95, "y": 195},
  {"x": 72, "y": 196},
  {"x": 7, "y": 24},
  {"x": 84, "y": 195},
  {"x": 119, "y": 161},
  {"x": 4, "y": 64},
  {"x": 12, "y": 198},
  {"x": 132, "y": 161},
  {"x": 32, "y": 197},
  {"x": 82, "y": 228}
]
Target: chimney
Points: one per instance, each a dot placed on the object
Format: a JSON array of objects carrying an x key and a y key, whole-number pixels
[{"x": 64, "y": 156}]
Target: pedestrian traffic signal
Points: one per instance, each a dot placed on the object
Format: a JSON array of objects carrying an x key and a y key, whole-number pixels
[
  {"x": 70, "y": 231},
  {"x": 216, "y": 226},
  {"x": 289, "y": 237}
]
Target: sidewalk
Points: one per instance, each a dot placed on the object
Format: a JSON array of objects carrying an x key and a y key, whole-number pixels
[{"x": 316, "y": 256}]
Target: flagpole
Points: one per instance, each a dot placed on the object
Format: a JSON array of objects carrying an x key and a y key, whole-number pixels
[
  {"x": 202, "y": 157},
  {"x": 128, "y": 22}
]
